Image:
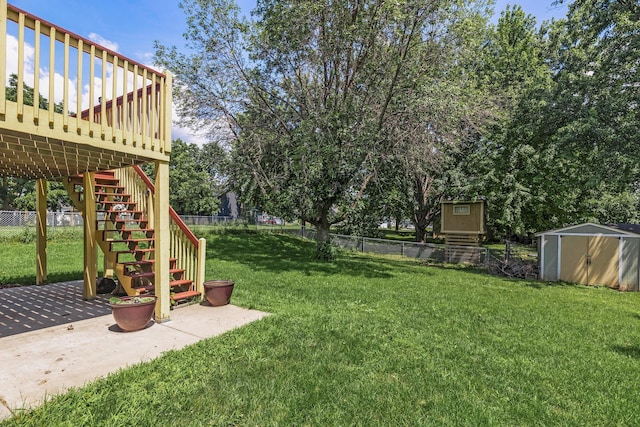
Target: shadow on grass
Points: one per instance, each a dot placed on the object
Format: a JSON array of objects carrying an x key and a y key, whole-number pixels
[
  {"x": 627, "y": 350},
  {"x": 276, "y": 252},
  {"x": 535, "y": 284}
]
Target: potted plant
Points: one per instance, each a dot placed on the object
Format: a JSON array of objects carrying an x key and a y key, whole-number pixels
[
  {"x": 218, "y": 292},
  {"x": 132, "y": 313}
]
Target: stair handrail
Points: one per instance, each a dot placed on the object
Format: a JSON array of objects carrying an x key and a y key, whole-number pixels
[{"x": 174, "y": 215}]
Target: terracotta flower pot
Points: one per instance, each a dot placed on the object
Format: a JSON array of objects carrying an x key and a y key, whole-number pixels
[
  {"x": 131, "y": 316},
  {"x": 218, "y": 292}
]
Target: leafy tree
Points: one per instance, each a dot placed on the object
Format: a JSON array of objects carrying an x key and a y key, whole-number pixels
[
  {"x": 17, "y": 193},
  {"x": 192, "y": 187},
  {"x": 309, "y": 89},
  {"x": 28, "y": 95},
  {"x": 511, "y": 160},
  {"x": 57, "y": 196},
  {"x": 596, "y": 102},
  {"x": 565, "y": 152},
  {"x": 440, "y": 116}
]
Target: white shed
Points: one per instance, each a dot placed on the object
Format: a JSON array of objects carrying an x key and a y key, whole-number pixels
[{"x": 592, "y": 254}]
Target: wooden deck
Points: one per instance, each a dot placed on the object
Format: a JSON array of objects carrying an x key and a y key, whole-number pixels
[
  {"x": 111, "y": 111},
  {"x": 76, "y": 108}
]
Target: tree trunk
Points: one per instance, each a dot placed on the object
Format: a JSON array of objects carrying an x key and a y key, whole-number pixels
[
  {"x": 421, "y": 231},
  {"x": 324, "y": 250}
]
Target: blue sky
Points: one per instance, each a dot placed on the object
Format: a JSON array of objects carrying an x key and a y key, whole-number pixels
[{"x": 131, "y": 26}]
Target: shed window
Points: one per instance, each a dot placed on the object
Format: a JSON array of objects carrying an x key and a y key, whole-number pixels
[{"x": 461, "y": 210}]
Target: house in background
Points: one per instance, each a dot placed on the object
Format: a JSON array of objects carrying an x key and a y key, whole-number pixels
[{"x": 229, "y": 205}]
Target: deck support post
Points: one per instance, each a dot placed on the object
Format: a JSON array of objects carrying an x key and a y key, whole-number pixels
[
  {"x": 41, "y": 230},
  {"x": 3, "y": 63},
  {"x": 202, "y": 258},
  {"x": 90, "y": 244},
  {"x": 162, "y": 245}
]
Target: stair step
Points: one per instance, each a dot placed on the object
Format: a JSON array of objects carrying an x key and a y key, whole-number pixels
[
  {"x": 100, "y": 179},
  {"x": 184, "y": 295},
  {"x": 124, "y": 220},
  {"x": 113, "y": 186},
  {"x": 136, "y": 275},
  {"x": 176, "y": 270},
  {"x": 123, "y": 212},
  {"x": 148, "y": 262},
  {"x": 116, "y": 202},
  {"x": 170, "y": 260},
  {"x": 137, "y": 254},
  {"x": 148, "y": 239},
  {"x": 180, "y": 282},
  {"x": 129, "y": 243},
  {"x": 107, "y": 194},
  {"x": 146, "y": 231},
  {"x": 174, "y": 283},
  {"x": 133, "y": 251},
  {"x": 141, "y": 274}
]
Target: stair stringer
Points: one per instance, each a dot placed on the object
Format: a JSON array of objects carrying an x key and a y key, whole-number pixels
[
  {"x": 103, "y": 244},
  {"x": 119, "y": 268},
  {"x": 138, "y": 190}
]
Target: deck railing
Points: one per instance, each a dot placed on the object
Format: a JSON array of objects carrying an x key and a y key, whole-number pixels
[
  {"x": 80, "y": 81},
  {"x": 184, "y": 245}
]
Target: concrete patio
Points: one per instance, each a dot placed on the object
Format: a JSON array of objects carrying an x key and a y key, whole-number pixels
[{"x": 52, "y": 340}]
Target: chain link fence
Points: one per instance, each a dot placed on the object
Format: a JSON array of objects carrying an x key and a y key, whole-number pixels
[
  {"x": 21, "y": 225},
  {"x": 425, "y": 251}
]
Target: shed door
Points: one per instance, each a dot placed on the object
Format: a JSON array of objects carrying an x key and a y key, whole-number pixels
[
  {"x": 591, "y": 260},
  {"x": 573, "y": 256},
  {"x": 605, "y": 261}
]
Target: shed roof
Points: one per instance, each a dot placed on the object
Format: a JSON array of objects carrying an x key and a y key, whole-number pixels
[{"x": 617, "y": 229}]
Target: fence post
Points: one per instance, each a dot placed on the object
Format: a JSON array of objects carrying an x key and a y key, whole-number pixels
[
  {"x": 402, "y": 248},
  {"x": 363, "y": 244}
]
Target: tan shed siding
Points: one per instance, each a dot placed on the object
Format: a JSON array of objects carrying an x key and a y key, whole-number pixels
[
  {"x": 630, "y": 251},
  {"x": 471, "y": 223},
  {"x": 549, "y": 245}
]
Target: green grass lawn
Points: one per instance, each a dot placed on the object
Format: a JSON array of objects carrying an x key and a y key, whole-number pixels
[
  {"x": 380, "y": 341},
  {"x": 65, "y": 261}
]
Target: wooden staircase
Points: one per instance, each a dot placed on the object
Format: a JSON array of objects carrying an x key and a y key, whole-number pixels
[{"x": 126, "y": 237}]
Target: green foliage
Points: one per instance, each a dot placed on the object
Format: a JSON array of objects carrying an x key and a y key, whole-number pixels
[
  {"x": 130, "y": 301},
  {"x": 326, "y": 251},
  {"x": 313, "y": 92},
  {"x": 192, "y": 178},
  {"x": 16, "y": 193},
  {"x": 379, "y": 341},
  {"x": 28, "y": 95},
  {"x": 57, "y": 196},
  {"x": 565, "y": 152}
]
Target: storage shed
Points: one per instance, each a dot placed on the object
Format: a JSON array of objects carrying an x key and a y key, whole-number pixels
[{"x": 592, "y": 254}]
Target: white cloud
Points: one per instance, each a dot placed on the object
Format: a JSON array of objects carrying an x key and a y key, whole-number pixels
[
  {"x": 103, "y": 42},
  {"x": 188, "y": 135},
  {"x": 43, "y": 73},
  {"x": 184, "y": 133}
]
